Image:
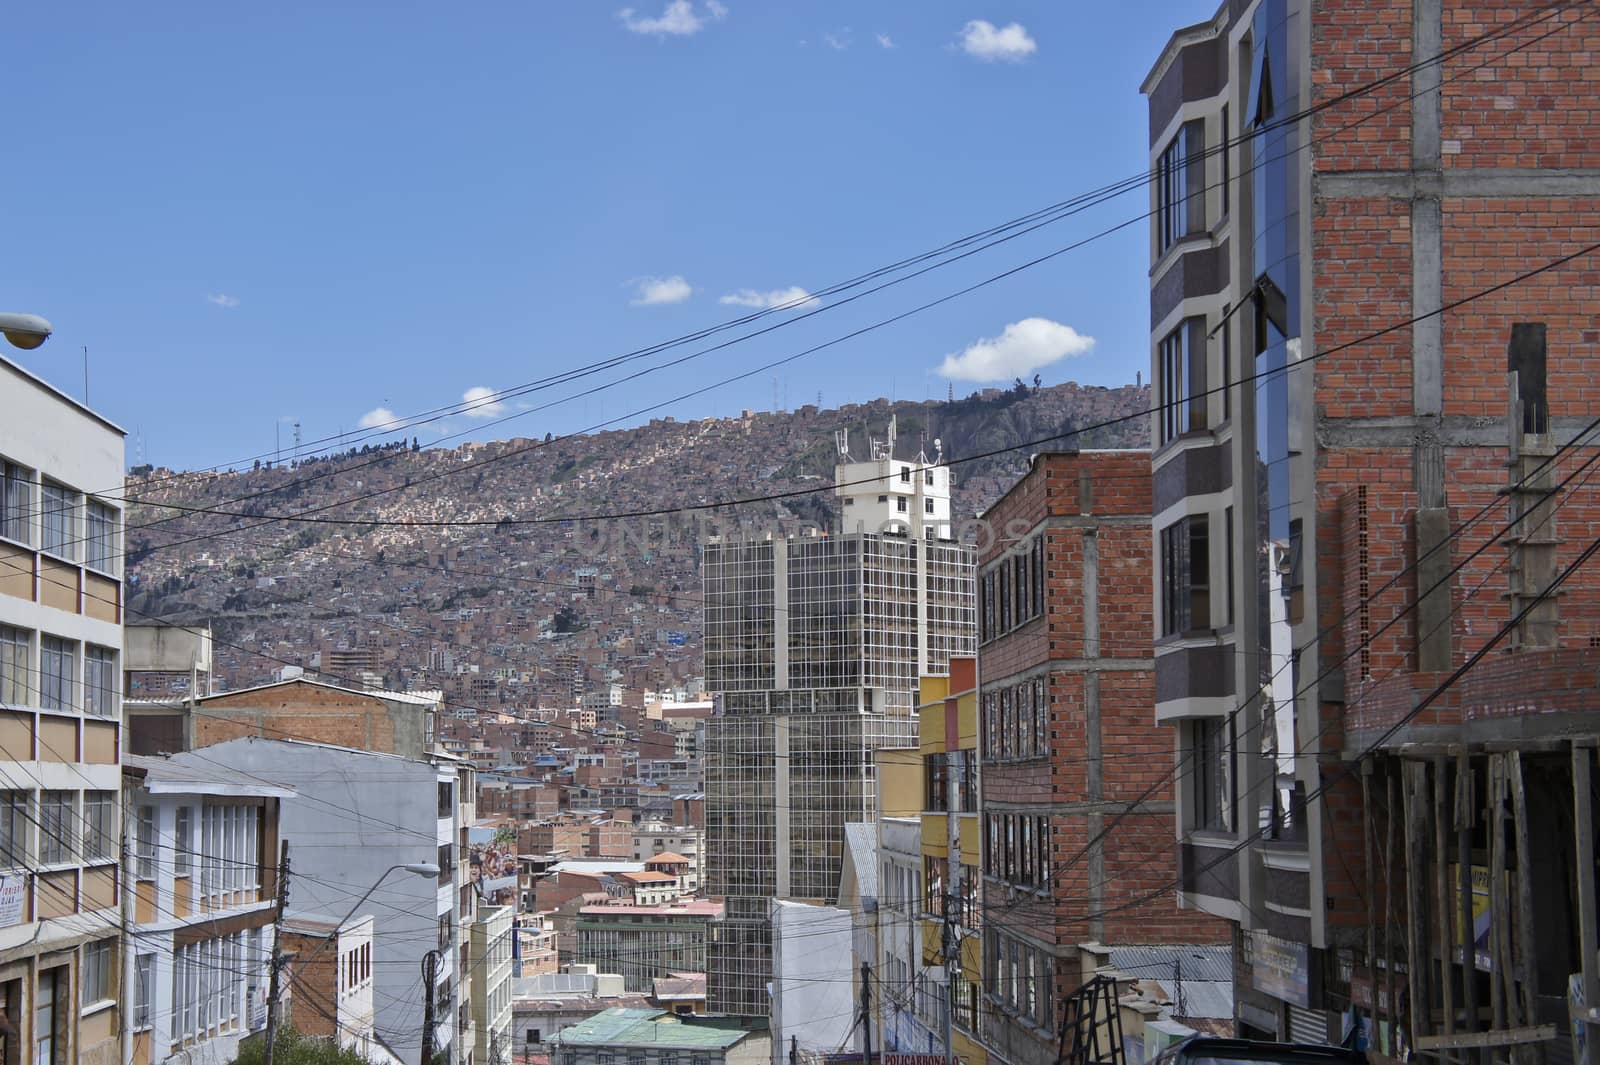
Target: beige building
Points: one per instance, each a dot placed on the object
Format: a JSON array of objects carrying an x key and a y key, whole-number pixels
[{"x": 61, "y": 470}]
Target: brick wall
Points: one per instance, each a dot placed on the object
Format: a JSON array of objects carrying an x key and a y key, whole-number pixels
[{"x": 1081, "y": 496}]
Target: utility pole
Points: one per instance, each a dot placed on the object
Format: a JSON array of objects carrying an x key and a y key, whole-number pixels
[
  {"x": 430, "y": 974},
  {"x": 794, "y": 1050},
  {"x": 276, "y": 963},
  {"x": 866, "y": 1009}
]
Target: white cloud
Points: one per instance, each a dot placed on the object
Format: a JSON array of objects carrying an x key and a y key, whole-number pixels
[
  {"x": 884, "y": 40},
  {"x": 1020, "y": 349},
  {"x": 481, "y": 403},
  {"x": 677, "y": 19},
  {"x": 840, "y": 41},
  {"x": 377, "y": 416},
  {"x": 653, "y": 291},
  {"x": 222, "y": 299},
  {"x": 793, "y": 296},
  {"x": 983, "y": 40}
]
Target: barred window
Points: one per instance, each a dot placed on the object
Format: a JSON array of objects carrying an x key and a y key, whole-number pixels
[
  {"x": 15, "y": 685},
  {"x": 15, "y": 827},
  {"x": 96, "y": 971},
  {"x": 58, "y": 673},
  {"x": 59, "y": 511},
  {"x": 100, "y": 543},
  {"x": 58, "y": 831},
  {"x": 16, "y": 502},
  {"x": 100, "y": 681},
  {"x": 100, "y": 833}
]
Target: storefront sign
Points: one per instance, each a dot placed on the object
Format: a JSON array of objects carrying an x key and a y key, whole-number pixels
[
  {"x": 1281, "y": 969},
  {"x": 13, "y": 899}
]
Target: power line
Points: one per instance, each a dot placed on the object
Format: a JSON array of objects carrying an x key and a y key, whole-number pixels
[
  {"x": 305, "y": 515},
  {"x": 1051, "y": 212}
]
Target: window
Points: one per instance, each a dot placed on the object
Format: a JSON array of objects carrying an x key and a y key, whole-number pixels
[
  {"x": 1172, "y": 193},
  {"x": 1172, "y": 357},
  {"x": 99, "y": 681},
  {"x": 1209, "y": 736},
  {"x": 927, "y": 505},
  {"x": 1185, "y": 570},
  {"x": 933, "y": 875},
  {"x": 1227, "y": 556},
  {"x": 1227, "y": 364},
  {"x": 1294, "y": 577},
  {"x": 95, "y": 971},
  {"x": 100, "y": 543},
  {"x": 927, "y": 477},
  {"x": 1227, "y": 148},
  {"x": 182, "y": 842},
  {"x": 144, "y": 843},
  {"x": 14, "y": 824},
  {"x": 57, "y": 827},
  {"x": 58, "y": 671},
  {"x": 49, "y": 1043},
  {"x": 143, "y": 985},
  {"x": 16, "y": 502},
  {"x": 900, "y": 504},
  {"x": 15, "y": 686},
  {"x": 905, "y": 474},
  {"x": 100, "y": 826},
  {"x": 59, "y": 511},
  {"x": 446, "y": 799},
  {"x": 937, "y": 774}
]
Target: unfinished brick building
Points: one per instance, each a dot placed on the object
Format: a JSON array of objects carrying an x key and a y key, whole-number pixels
[
  {"x": 1068, "y": 746},
  {"x": 1339, "y": 396}
]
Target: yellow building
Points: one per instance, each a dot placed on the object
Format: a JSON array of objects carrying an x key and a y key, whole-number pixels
[{"x": 952, "y": 844}]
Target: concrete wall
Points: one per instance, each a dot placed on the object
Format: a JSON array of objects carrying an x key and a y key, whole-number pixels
[{"x": 812, "y": 995}]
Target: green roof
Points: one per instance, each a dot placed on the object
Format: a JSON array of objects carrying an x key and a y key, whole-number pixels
[{"x": 619, "y": 1026}]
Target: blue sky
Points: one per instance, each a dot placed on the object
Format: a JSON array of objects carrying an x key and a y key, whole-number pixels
[{"x": 255, "y": 213}]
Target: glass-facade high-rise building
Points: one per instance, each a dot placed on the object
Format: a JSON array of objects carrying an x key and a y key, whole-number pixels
[{"x": 814, "y": 646}]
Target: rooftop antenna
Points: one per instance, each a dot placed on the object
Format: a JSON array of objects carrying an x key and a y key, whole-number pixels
[
  {"x": 776, "y": 409},
  {"x": 938, "y": 451},
  {"x": 950, "y": 392},
  {"x": 86, "y": 375},
  {"x": 297, "y": 441},
  {"x": 893, "y": 434},
  {"x": 841, "y": 440}
]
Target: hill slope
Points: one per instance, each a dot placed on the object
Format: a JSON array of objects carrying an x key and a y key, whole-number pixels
[{"x": 536, "y": 609}]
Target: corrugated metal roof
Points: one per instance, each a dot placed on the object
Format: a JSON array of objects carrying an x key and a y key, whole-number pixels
[
  {"x": 1158, "y": 962},
  {"x": 862, "y": 839},
  {"x": 654, "y": 1028},
  {"x": 1210, "y": 999}
]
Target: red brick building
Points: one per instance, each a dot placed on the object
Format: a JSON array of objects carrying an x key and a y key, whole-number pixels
[
  {"x": 1333, "y": 379},
  {"x": 1069, "y": 749}
]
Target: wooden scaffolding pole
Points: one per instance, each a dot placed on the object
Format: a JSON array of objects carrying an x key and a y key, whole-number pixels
[
  {"x": 1527, "y": 959},
  {"x": 1442, "y": 893}
]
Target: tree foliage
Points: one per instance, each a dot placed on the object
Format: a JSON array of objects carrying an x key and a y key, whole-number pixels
[{"x": 294, "y": 1048}]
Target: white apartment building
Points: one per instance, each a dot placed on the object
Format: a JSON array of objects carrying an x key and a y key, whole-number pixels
[
  {"x": 356, "y": 817},
  {"x": 61, "y": 471},
  {"x": 202, "y": 882},
  {"x": 653, "y": 838},
  {"x": 491, "y": 952}
]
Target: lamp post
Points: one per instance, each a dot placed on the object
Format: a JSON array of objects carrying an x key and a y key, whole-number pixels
[
  {"x": 26, "y": 331},
  {"x": 279, "y": 959}
]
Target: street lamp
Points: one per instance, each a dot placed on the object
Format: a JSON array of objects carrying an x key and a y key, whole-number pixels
[
  {"x": 279, "y": 959},
  {"x": 26, "y": 331}
]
